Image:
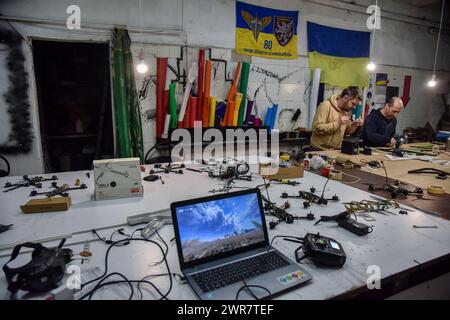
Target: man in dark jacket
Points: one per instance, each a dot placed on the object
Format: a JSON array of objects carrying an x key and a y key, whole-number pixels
[{"x": 379, "y": 128}]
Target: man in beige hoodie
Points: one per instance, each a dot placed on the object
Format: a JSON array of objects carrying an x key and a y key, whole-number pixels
[{"x": 333, "y": 119}]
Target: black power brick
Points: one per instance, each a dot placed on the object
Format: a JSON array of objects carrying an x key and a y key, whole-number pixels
[{"x": 354, "y": 226}]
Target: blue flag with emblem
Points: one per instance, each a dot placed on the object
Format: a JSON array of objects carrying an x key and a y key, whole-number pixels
[{"x": 266, "y": 32}]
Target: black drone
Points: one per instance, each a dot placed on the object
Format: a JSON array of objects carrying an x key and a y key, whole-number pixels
[
  {"x": 229, "y": 175},
  {"x": 178, "y": 169},
  {"x": 28, "y": 182},
  {"x": 58, "y": 190},
  {"x": 310, "y": 197},
  {"x": 396, "y": 190},
  {"x": 271, "y": 209}
]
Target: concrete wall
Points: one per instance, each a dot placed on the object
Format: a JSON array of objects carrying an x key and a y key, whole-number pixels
[{"x": 401, "y": 48}]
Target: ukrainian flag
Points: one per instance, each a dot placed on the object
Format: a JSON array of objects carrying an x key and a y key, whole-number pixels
[
  {"x": 342, "y": 55},
  {"x": 266, "y": 32}
]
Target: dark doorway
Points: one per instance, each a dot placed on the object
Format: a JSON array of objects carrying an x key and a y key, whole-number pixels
[{"x": 74, "y": 98}]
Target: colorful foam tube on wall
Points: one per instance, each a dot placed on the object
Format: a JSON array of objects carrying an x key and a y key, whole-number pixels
[
  {"x": 173, "y": 106},
  {"x": 212, "y": 111},
  {"x": 231, "y": 95},
  {"x": 200, "y": 84},
  {"x": 273, "y": 116},
  {"x": 230, "y": 115},
  {"x": 192, "y": 76},
  {"x": 221, "y": 108},
  {"x": 161, "y": 70},
  {"x": 268, "y": 115},
  {"x": 243, "y": 89},
  {"x": 237, "y": 106},
  {"x": 193, "y": 111},
  {"x": 248, "y": 111},
  {"x": 206, "y": 93}
]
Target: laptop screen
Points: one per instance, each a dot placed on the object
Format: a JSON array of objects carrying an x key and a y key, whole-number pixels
[{"x": 219, "y": 225}]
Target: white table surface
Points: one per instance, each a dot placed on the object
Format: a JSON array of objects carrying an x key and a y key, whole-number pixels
[{"x": 394, "y": 245}]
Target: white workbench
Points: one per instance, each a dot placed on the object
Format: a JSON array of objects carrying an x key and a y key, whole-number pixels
[{"x": 394, "y": 245}]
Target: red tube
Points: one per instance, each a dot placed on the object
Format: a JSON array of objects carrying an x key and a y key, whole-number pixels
[
  {"x": 187, "y": 116},
  {"x": 206, "y": 94},
  {"x": 193, "y": 116},
  {"x": 161, "y": 70},
  {"x": 201, "y": 74}
]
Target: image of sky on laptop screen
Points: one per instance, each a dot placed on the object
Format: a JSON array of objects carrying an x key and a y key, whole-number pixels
[{"x": 218, "y": 226}]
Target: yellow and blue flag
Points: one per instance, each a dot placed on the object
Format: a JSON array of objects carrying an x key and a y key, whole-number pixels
[
  {"x": 266, "y": 32},
  {"x": 342, "y": 55}
]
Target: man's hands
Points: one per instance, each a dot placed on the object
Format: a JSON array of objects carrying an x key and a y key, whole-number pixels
[
  {"x": 343, "y": 120},
  {"x": 392, "y": 143},
  {"x": 358, "y": 122}
]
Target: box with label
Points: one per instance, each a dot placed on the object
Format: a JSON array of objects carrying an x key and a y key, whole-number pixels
[
  {"x": 46, "y": 205},
  {"x": 117, "y": 178},
  {"x": 270, "y": 172}
]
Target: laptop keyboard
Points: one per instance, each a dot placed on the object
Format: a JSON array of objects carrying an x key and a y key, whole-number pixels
[{"x": 220, "y": 277}]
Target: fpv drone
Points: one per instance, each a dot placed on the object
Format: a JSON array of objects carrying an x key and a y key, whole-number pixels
[
  {"x": 28, "y": 182},
  {"x": 58, "y": 190}
]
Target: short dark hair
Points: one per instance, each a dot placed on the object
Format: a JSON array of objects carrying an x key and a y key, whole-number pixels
[{"x": 352, "y": 92}]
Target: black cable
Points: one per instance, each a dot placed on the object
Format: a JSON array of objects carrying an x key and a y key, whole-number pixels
[
  {"x": 165, "y": 245},
  {"x": 106, "y": 264},
  {"x": 8, "y": 167},
  {"x": 121, "y": 232},
  {"x": 285, "y": 236},
  {"x": 102, "y": 239},
  {"x": 249, "y": 289},
  {"x": 154, "y": 146},
  {"x": 97, "y": 286},
  {"x": 323, "y": 191},
  {"x": 131, "y": 282},
  {"x": 151, "y": 276},
  {"x": 246, "y": 286}
]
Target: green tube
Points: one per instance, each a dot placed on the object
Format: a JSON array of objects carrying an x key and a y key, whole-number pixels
[
  {"x": 243, "y": 89},
  {"x": 120, "y": 100},
  {"x": 135, "y": 125},
  {"x": 173, "y": 106}
]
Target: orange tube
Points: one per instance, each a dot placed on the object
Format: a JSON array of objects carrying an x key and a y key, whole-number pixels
[
  {"x": 230, "y": 106},
  {"x": 206, "y": 94}
]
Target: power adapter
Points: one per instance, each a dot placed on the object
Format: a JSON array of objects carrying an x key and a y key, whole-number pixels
[{"x": 354, "y": 226}]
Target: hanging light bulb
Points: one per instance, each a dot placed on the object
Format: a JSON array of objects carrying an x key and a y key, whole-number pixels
[
  {"x": 142, "y": 66},
  {"x": 371, "y": 66},
  {"x": 432, "y": 82}
]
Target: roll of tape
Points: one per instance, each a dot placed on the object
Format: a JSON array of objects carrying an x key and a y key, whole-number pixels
[
  {"x": 436, "y": 190},
  {"x": 336, "y": 175}
]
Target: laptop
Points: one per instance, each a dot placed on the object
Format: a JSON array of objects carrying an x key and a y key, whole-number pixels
[{"x": 224, "y": 251}]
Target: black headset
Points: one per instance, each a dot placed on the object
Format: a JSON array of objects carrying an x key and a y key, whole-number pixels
[{"x": 43, "y": 273}]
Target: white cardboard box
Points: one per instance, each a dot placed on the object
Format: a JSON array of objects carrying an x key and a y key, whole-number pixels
[{"x": 117, "y": 178}]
